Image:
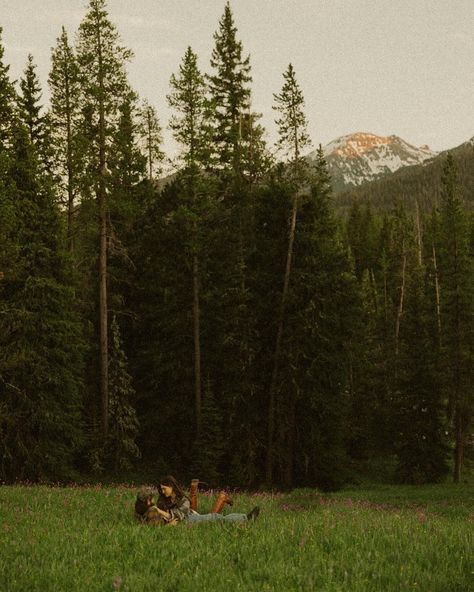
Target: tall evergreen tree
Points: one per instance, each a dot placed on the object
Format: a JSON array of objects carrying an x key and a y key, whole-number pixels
[
  {"x": 420, "y": 439},
  {"x": 293, "y": 137},
  {"x": 292, "y": 123},
  {"x": 104, "y": 84},
  {"x": 190, "y": 126},
  {"x": 322, "y": 310},
  {"x": 234, "y": 159},
  {"x": 126, "y": 161},
  {"x": 7, "y": 101},
  {"x": 190, "y": 123},
  {"x": 151, "y": 139},
  {"x": 8, "y": 121},
  {"x": 121, "y": 447},
  {"x": 209, "y": 446},
  {"x": 230, "y": 93},
  {"x": 457, "y": 310},
  {"x": 64, "y": 116},
  {"x": 41, "y": 342},
  {"x": 29, "y": 103},
  {"x": 362, "y": 236}
]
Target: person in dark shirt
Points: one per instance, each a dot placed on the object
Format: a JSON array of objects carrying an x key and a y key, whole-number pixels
[{"x": 146, "y": 510}]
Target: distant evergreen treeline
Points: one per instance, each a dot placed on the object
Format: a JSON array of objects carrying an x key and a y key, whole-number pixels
[{"x": 228, "y": 325}]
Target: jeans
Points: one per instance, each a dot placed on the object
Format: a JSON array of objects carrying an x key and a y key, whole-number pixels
[{"x": 216, "y": 518}]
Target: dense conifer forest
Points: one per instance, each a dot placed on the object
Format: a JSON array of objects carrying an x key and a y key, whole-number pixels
[{"x": 233, "y": 322}]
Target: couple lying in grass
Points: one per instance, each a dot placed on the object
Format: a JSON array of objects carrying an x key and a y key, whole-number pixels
[{"x": 174, "y": 506}]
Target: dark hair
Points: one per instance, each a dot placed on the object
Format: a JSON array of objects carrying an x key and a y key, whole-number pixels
[
  {"x": 144, "y": 495},
  {"x": 178, "y": 491},
  {"x": 141, "y": 507}
]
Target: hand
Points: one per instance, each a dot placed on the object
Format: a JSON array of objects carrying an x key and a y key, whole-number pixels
[{"x": 166, "y": 515}]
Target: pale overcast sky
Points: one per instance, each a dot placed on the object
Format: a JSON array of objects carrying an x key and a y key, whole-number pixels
[{"x": 401, "y": 67}]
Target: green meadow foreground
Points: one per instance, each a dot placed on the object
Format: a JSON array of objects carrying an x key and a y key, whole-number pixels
[{"x": 361, "y": 540}]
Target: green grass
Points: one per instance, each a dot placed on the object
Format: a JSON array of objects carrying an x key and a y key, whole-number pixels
[{"x": 361, "y": 540}]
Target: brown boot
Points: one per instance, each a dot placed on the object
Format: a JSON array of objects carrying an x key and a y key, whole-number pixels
[
  {"x": 193, "y": 494},
  {"x": 221, "y": 501}
]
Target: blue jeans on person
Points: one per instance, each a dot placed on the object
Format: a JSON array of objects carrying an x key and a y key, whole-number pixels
[{"x": 217, "y": 517}]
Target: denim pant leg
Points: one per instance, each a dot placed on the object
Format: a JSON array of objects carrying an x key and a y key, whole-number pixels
[{"x": 216, "y": 517}]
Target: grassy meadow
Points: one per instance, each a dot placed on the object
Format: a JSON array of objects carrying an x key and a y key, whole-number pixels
[{"x": 361, "y": 540}]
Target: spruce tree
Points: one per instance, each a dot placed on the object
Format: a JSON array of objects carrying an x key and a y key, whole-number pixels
[
  {"x": 64, "y": 117},
  {"x": 190, "y": 127},
  {"x": 128, "y": 196},
  {"x": 163, "y": 342},
  {"x": 236, "y": 141},
  {"x": 419, "y": 417},
  {"x": 122, "y": 449},
  {"x": 104, "y": 85},
  {"x": 323, "y": 306},
  {"x": 190, "y": 123},
  {"x": 293, "y": 138},
  {"x": 8, "y": 121},
  {"x": 457, "y": 310},
  {"x": 41, "y": 342},
  {"x": 7, "y": 101},
  {"x": 292, "y": 123},
  {"x": 230, "y": 93},
  {"x": 151, "y": 138},
  {"x": 209, "y": 446},
  {"x": 126, "y": 161},
  {"x": 29, "y": 103}
]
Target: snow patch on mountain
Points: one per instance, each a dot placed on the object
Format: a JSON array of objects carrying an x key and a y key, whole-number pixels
[{"x": 361, "y": 157}]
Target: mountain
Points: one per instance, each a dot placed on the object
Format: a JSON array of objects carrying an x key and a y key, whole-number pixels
[
  {"x": 417, "y": 184},
  {"x": 358, "y": 158}
]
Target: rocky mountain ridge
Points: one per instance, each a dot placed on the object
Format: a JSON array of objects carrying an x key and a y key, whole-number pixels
[{"x": 362, "y": 157}]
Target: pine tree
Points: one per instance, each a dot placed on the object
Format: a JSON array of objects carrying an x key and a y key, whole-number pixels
[
  {"x": 362, "y": 235},
  {"x": 128, "y": 196},
  {"x": 292, "y": 124},
  {"x": 41, "y": 344},
  {"x": 191, "y": 130},
  {"x": 457, "y": 310},
  {"x": 190, "y": 123},
  {"x": 104, "y": 84},
  {"x": 230, "y": 93},
  {"x": 7, "y": 101},
  {"x": 29, "y": 103},
  {"x": 126, "y": 161},
  {"x": 234, "y": 158},
  {"x": 323, "y": 306},
  {"x": 123, "y": 430},
  {"x": 209, "y": 446},
  {"x": 8, "y": 120},
  {"x": 292, "y": 128},
  {"x": 151, "y": 139},
  {"x": 419, "y": 417},
  {"x": 163, "y": 343},
  {"x": 364, "y": 388},
  {"x": 64, "y": 116}
]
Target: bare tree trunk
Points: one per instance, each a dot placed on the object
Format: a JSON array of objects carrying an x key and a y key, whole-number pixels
[
  {"x": 374, "y": 290},
  {"x": 418, "y": 234},
  {"x": 385, "y": 297},
  {"x": 459, "y": 447},
  {"x": 197, "y": 346},
  {"x": 400, "y": 304},
  {"x": 437, "y": 292},
  {"x": 276, "y": 357},
  {"x": 288, "y": 469},
  {"x": 150, "y": 154}
]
